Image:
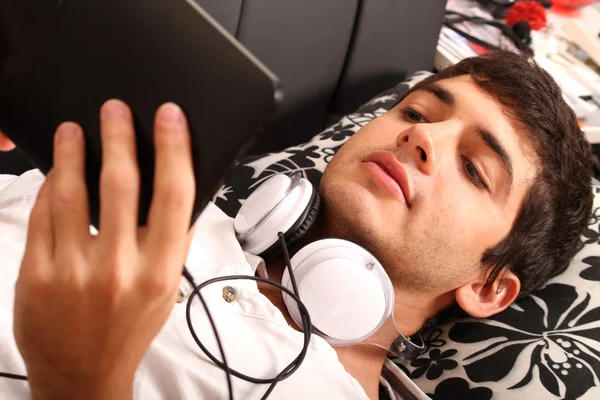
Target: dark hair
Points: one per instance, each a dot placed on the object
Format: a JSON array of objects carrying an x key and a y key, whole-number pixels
[{"x": 556, "y": 208}]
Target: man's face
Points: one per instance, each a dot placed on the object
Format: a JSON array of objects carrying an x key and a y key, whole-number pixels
[{"x": 430, "y": 185}]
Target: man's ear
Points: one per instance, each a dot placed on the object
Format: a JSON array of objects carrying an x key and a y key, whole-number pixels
[
  {"x": 5, "y": 143},
  {"x": 481, "y": 301}
]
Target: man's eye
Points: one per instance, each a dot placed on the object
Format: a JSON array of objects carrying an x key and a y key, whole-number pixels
[
  {"x": 473, "y": 175},
  {"x": 413, "y": 116}
]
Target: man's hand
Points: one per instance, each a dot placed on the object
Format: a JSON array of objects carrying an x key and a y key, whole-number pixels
[{"x": 87, "y": 308}]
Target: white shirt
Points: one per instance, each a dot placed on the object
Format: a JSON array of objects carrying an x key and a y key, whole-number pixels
[{"x": 256, "y": 337}]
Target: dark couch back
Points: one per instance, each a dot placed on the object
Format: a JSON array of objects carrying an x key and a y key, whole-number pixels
[{"x": 331, "y": 55}]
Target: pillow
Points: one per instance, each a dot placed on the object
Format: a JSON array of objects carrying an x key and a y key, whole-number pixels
[{"x": 545, "y": 346}]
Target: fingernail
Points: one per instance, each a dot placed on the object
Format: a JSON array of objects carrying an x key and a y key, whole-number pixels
[
  {"x": 66, "y": 131},
  {"x": 113, "y": 108},
  {"x": 171, "y": 113}
]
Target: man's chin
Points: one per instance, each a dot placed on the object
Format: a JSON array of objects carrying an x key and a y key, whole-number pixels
[{"x": 355, "y": 213}]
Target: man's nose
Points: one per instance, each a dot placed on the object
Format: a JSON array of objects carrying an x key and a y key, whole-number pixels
[{"x": 426, "y": 144}]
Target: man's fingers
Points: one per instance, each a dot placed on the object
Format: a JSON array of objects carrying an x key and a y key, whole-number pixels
[
  {"x": 174, "y": 185},
  {"x": 119, "y": 177},
  {"x": 69, "y": 204}
]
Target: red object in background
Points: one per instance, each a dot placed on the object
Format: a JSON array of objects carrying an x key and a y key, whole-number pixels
[
  {"x": 571, "y": 4},
  {"x": 529, "y": 11},
  {"x": 479, "y": 49}
]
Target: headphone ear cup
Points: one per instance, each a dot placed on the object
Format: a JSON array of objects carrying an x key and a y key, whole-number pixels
[
  {"x": 344, "y": 288},
  {"x": 298, "y": 230}
]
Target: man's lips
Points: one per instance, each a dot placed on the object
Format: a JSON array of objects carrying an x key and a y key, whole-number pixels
[{"x": 386, "y": 168}]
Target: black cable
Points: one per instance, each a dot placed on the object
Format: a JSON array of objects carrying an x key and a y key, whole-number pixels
[
  {"x": 288, "y": 262},
  {"x": 225, "y": 367},
  {"x": 307, "y": 325},
  {"x": 13, "y": 376},
  {"x": 454, "y": 17},
  {"x": 306, "y": 322},
  {"x": 290, "y": 368}
]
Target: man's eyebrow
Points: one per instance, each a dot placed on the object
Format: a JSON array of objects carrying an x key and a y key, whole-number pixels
[
  {"x": 444, "y": 95},
  {"x": 493, "y": 143},
  {"x": 490, "y": 139}
]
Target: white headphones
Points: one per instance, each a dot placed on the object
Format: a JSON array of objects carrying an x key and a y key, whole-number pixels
[{"x": 345, "y": 288}]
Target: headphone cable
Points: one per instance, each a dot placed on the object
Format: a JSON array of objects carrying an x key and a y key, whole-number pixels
[
  {"x": 306, "y": 322},
  {"x": 13, "y": 376}
]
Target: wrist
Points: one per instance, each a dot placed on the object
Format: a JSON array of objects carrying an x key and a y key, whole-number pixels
[{"x": 76, "y": 388}]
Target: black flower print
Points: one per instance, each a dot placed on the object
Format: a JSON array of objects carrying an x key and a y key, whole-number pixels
[
  {"x": 361, "y": 120},
  {"x": 305, "y": 153},
  {"x": 434, "y": 339},
  {"x": 554, "y": 334},
  {"x": 593, "y": 272},
  {"x": 339, "y": 132},
  {"x": 458, "y": 389},
  {"x": 595, "y": 217},
  {"x": 591, "y": 236},
  {"x": 385, "y": 100},
  {"x": 434, "y": 365},
  {"x": 329, "y": 152}
]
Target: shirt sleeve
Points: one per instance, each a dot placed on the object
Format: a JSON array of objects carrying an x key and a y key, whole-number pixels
[
  {"x": 17, "y": 197},
  {"x": 6, "y": 180}
]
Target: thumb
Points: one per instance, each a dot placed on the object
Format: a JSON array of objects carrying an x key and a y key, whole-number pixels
[{"x": 5, "y": 143}]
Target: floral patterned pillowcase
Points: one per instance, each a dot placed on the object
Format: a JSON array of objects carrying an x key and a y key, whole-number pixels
[{"x": 543, "y": 347}]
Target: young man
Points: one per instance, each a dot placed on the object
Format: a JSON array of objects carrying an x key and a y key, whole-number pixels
[{"x": 495, "y": 195}]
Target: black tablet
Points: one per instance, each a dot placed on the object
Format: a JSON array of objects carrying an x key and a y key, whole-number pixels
[{"x": 62, "y": 59}]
